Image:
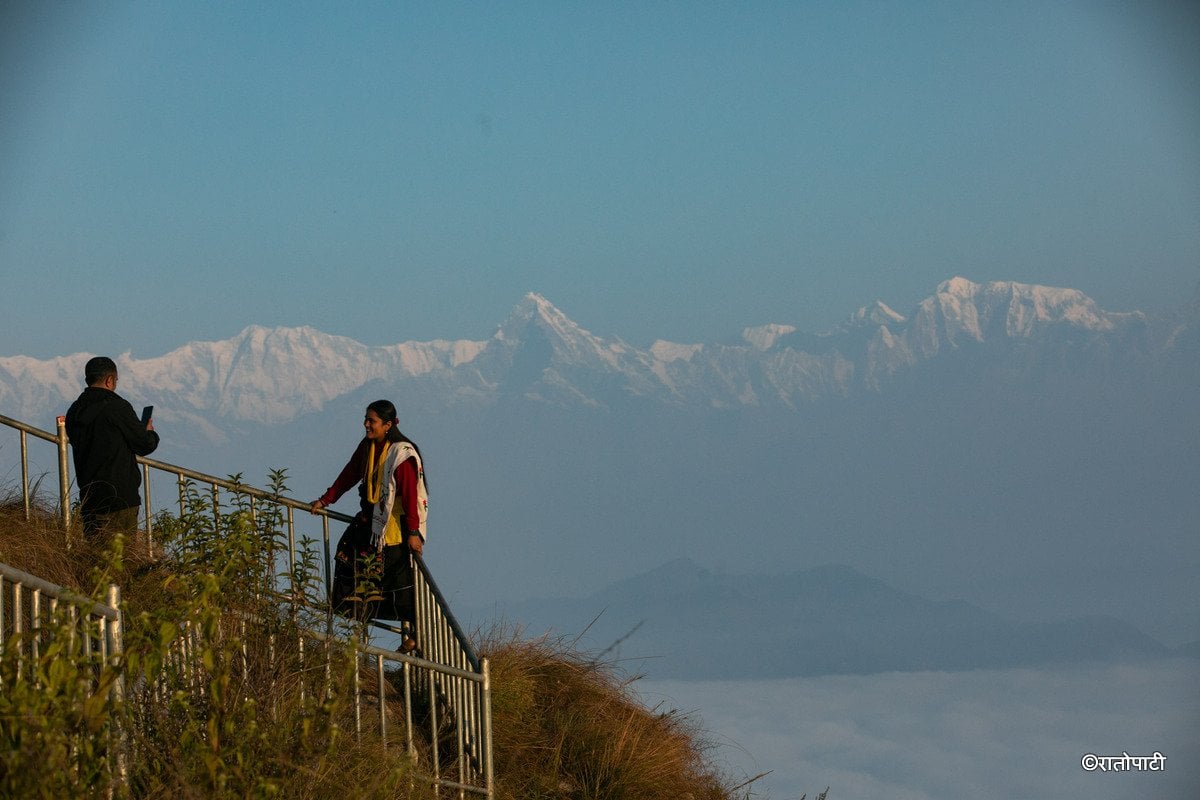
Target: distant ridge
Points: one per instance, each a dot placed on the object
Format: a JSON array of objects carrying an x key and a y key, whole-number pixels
[{"x": 693, "y": 623}]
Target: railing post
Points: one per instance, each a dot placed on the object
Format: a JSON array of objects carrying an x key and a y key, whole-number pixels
[
  {"x": 64, "y": 477},
  {"x": 116, "y": 655},
  {"x": 25, "y": 474},
  {"x": 291, "y": 529},
  {"x": 216, "y": 505},
  {"x": 149, "y": 525},
  {"x": 328, "y": 575},
  {"x": 486, "y": 713}
]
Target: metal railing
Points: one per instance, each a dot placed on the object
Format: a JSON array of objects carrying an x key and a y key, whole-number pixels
[
  {"x": 439, "y": 715},
  {"x": 30, "y": 619},
  {"x": 64, "y": 479},
  {"x": 453, "y": 706},
  {"x": 445, "y": 652}
]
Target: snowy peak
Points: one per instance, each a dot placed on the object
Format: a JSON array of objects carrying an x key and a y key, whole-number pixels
[
  {"x": 961, "y": 310},
  {"x": 532, "y": 307},
  {"x": 1022, "y": 307},
  {"x": 543, "y": 333},
  {"x": 878, "y": 313},
  {"x": 535, "y": 311},
  {"x": 764, "y": 337}
]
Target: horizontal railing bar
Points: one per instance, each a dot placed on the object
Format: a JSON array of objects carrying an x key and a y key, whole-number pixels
[
  {"x": 241, "y": 488},
  {"x": 370, "y": 649},
  {"x": 188, "y": 473},
  {"x": 393, "y": 655},
  {"x": 34, "y": 582},
  {"x": 21, "y": 426},
  {"x": 465, "y": 787}
]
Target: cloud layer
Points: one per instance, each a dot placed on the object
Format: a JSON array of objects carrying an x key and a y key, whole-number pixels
[{"x": 946, "y": 736}]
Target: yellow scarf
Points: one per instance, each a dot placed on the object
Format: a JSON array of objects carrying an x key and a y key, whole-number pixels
[
  {"x": 375, "y": 473},
  {"x": 392, "y": 533}
]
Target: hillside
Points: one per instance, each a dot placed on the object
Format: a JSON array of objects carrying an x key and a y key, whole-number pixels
[{"x": 565, "y": 724}]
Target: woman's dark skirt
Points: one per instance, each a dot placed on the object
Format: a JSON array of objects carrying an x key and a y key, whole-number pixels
[{"x": 368, "y": 584}]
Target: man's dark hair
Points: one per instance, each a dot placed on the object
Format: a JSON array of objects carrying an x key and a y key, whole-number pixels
[{"x": 97, "y": 369}]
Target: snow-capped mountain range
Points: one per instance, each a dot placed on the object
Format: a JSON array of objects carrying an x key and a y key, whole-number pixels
[{"x": 541, "y": 355}]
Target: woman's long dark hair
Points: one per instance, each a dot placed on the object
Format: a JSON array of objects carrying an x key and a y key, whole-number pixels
[{"x": 387, "y": 412}]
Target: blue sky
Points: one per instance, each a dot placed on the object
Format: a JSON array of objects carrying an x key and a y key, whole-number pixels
[{"x": 391, "y": 172}]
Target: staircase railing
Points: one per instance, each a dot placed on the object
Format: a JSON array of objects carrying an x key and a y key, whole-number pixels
[
  {"x": 457, "y": 676},
  {"x": 28, "y": 606},
  {"x": 393, "y": 697},
  {"x": 64, "y": 480}
]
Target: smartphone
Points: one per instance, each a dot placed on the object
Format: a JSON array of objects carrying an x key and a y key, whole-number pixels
[{"x": 147, "y": 412}]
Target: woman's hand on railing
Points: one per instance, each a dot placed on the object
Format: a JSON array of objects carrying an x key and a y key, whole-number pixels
[
  {"x": 416, "y": 543},
  {"x": 315, "y": 507}
]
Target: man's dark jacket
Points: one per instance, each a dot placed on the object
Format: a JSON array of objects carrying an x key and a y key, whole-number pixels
[{"x": 106, "y": 438}]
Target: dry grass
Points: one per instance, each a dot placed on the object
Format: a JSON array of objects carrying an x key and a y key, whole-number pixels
[
  {"x": 569, "y": 726},
  {"x": 40, "y": 547}
]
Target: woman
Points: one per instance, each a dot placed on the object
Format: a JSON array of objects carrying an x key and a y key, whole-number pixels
[{"x": 373, "y": 554}]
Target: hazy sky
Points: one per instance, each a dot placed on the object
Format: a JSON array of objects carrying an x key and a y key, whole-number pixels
[{"x": 390, "y": 172}]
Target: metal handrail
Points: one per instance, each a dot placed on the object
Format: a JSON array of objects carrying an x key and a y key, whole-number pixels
[
  {"x": 457, "y": 701},
  {"x": 183, "y": 473},
  {"x": 21, "y": 426},
  {"x": 468, "y": 769},
  {"x": 22, "y": 627},
  {"x": 82, "y": 602},
  {"x": 439, "y": 634},
  {"x": 60, "y": 439},
  {"x": 426, "y": 577}
]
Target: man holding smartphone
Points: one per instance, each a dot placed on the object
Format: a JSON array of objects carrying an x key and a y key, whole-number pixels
[{"x": 106, "y": 439}]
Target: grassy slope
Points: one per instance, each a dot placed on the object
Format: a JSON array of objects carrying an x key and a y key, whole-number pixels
[{"x": 565, "y": 725}]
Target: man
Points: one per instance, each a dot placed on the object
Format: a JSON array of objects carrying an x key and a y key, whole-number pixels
[{"x": 106, "y": 438}]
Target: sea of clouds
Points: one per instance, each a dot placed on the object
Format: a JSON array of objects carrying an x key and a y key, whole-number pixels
[{"x": 1008, "y": 734}]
